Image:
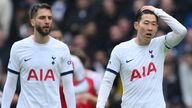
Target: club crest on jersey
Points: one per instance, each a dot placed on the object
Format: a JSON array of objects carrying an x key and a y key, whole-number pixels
[
  {"x": 146, "y": 71},
  {"x": 41, "y": 75},
  {"x": 53, "y": 58},
  {"x": 151, "y": 53},
  {"x": 69, "y": 62}
]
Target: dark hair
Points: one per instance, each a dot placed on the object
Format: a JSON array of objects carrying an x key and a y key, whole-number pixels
[
  {"x": 140, "y": 13},
  {"x": 33, "y": 10}
]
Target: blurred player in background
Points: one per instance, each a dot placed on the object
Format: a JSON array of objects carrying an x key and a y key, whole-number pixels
[
  {"x": 140, "y": 61},
  {"x": 40, "y": 60},
  {"x": 88, "y": 99},
  {"x": 81, "y": 85},
  {"x": 87, "y": 82}
]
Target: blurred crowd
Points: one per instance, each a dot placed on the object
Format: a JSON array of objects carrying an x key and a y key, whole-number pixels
[{"x": 95, "y": 27}]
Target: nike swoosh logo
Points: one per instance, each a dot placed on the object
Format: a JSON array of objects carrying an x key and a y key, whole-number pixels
[
  {"x": 127, "y": 61},
  {"x": 27, "y": 59}
]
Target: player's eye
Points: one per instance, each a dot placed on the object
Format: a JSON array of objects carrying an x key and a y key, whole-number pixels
[
  {"x": 42, "y": 17},
  {"x": 50, "y": 17}
]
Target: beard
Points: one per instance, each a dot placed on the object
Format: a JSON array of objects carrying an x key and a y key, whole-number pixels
[{"x": 43, "y": 33}]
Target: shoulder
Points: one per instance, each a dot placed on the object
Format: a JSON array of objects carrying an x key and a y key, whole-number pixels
[
  {"x": 158, "y": 40},
  {"x": 122, "y": 46},
  {"x": 21, "y": 43},
  {"x": 58, "y": 44}
]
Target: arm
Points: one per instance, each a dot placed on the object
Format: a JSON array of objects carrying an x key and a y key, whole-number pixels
[
  {"x": 112, "y": 70},
  {"x": 179, "y": 31},
  {"x": 79, "y": 75},
  {"x": 82, "y": 87},
  {"x": 67, "y": 78},
  {"x": 85, "y": 97},
  {"x": 68, "y": 90},
  {"x": 0, "y": 97},
  {"x": 12, "y": 77},
  {"x": 9, "y": 90},
  {"x": 105, "y": 89}
]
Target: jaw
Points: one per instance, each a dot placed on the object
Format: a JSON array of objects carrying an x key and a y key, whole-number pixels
[{"x": 143, "y": 40}]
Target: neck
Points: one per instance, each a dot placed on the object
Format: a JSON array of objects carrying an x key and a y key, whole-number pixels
[
  {"x": 140, "y": 42},
  {"x": 40, "y": 39}
]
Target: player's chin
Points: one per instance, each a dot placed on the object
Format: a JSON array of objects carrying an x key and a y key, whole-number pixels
[
  {"x": 147, "y": 41},
  {"x": 46, "y": 31}
]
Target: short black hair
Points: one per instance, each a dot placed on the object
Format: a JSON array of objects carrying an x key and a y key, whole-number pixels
[
  {"x": 33, "y": 10},
  {"x": 140, "y": 13}
]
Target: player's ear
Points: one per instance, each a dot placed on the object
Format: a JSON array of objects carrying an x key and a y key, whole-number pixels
[
  {"x": 136, "y": 25},
  {"x": 32, "y": 22}
]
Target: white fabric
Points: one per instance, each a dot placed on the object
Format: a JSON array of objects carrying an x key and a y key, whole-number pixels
[
  {"x": 69, "y": 90},
  {"x": 140, "y": 69},
  {"x": 40, "y": 67},
  {"x": 179, "y": 31},
  {"x": 0, "y": 97},
  {"x": 9, "y": 90},
  {"x": 78, "y": 68},
  {"x": 79, "y": 75},
  {"x": 105, "y": 89}
]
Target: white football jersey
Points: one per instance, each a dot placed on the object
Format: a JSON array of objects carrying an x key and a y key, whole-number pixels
[
  {"x": 141, "y": 68},
  {"x": 141, "y": 72},
  {"x": 40, "y": 67}
]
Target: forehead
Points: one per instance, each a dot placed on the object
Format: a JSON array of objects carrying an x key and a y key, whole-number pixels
[
  {"x": 44, "y": 12},
  {"x": 148, "y": 17}
]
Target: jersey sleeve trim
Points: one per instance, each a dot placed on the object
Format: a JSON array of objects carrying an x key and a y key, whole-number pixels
[
  {"x": 66, "y": 73},
  {"x": 12, "y": 71},
  {"x": 112, "y": 71},
  {"x": 166, "y": 44}
]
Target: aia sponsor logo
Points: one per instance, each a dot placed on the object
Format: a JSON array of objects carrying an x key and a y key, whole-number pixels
[
  {"x": 146, "y": 71},
  {"x": 41, "y": 75}
]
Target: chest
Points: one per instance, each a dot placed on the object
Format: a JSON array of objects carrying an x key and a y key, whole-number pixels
[
  {"x": 39, "y": 58},
  {"x": 141, "y": 63},
  {"x": 40, "y": 64}
]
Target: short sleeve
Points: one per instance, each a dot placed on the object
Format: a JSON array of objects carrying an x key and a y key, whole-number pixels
[
  {"x": 114, "y": 61},
  {"x": 66, "y": 63},
  {"x": 14, "y": 63}
]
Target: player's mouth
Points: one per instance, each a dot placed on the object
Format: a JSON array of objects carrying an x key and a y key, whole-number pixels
[
  {"x": 149, "y": 35},
  {"x": 46, "y": 27}
]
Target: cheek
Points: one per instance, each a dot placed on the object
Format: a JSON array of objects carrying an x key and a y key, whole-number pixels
[
  {"x": 142, "y": 29},
  {"x": 155, "y": 29},
  {"x": 38, "y": 24}
]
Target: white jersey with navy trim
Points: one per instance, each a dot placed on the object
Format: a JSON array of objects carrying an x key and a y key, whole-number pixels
[
  {"x": 141, "y": 72},
  {"x": 40, "y": 67},
  {"x": 141, "y": 68}
]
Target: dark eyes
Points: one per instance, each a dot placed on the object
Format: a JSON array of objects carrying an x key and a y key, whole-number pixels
[
  {"x": 44, "y": 17},
  {"x": 153, "y": 23}
]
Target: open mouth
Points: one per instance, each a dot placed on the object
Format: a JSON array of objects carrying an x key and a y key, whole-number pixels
[
  {"x": 149, "y": 34},
  {"x": 46, "y": 28}
]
